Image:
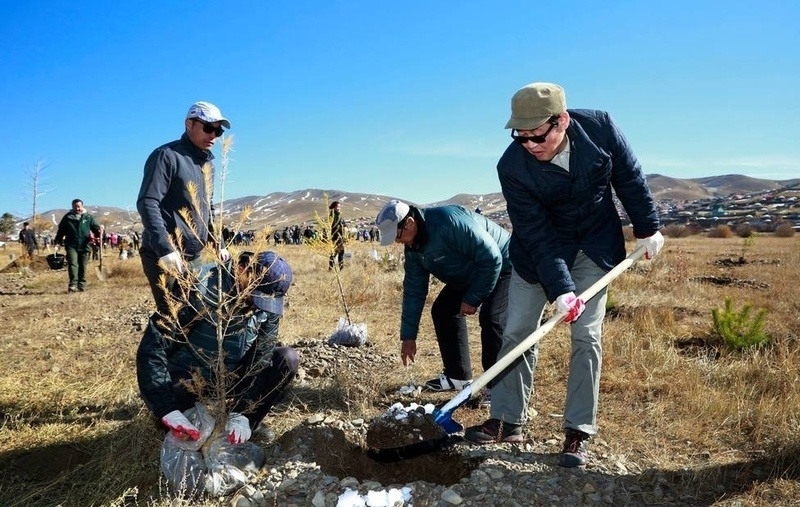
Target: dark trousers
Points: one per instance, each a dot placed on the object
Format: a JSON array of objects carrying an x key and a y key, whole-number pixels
[
  {"x": 258, "y": 392},
  {"x": 451, "y": 328},
  {"x": 153, "y": 272},
  {"x": 338, "y": 254},
  {"x": 76, "y": 267}
]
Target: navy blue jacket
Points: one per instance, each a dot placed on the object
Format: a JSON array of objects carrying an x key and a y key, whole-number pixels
[
  {"x": 555, "y": 213},
  {"x": 459, "y": 247},
  {"x": 168, "y": 174}
]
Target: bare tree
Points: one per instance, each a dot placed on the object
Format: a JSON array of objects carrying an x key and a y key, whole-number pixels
[{"x": 35, "y": 176}]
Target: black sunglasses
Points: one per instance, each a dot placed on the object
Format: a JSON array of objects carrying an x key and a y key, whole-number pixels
[
  {"x": 401, "y": 226},
  {"x": 536, "y": 139},
  {"x": 211, "y": 129}
]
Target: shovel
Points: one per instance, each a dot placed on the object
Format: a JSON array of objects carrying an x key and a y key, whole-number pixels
[
  {"x": 444, "y": 416},
  {"x": 100, "y": 271}
]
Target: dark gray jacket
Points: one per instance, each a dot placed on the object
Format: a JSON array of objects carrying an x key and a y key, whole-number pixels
[
  {"x": 168, "y": 173},
  {"x": 248, "y": 344},
  {"x": 555, "y": 213}
]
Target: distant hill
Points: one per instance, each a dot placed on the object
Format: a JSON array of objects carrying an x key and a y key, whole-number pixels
[
  {"x": 695, "y": 189},
  {"x": 281, "y": 209}
]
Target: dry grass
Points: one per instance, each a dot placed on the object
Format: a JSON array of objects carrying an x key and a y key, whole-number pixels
[{"x": 77, "y": 433}]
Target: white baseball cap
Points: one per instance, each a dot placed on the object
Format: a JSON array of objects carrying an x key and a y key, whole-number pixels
[
  {"x": 207, "y": 112},
  {"x": 392, "y": 213}
]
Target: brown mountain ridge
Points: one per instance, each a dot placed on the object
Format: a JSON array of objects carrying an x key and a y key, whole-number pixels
[{"x": 281, "y": 209}]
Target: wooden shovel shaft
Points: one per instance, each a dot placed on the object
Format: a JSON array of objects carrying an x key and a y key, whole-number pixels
[{"x": 537, "y": 335}]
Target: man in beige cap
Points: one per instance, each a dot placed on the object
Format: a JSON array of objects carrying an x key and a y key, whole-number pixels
[
  {"x": 169, "y": 172},
  {"x": 557, "y": 177}
]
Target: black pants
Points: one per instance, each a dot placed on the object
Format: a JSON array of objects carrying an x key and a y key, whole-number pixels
[
  {"x": 340, "y": 254},
  {"x": 153, "y": 272},
  {"x": 256, "y": 394},
  {"x": 451, "y": 328}
]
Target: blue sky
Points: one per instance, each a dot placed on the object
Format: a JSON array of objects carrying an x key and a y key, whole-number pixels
[{"x": 407, "y": 99}]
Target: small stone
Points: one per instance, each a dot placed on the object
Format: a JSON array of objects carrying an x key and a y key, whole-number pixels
[
  {"x": 319, "y": 499},
  {"x": 315, "y": 419},
  {"x": 451, "y": 497}
]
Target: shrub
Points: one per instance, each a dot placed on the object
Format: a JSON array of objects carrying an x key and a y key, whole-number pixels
[
  {"x": 720, "y": 231},
  {"x": 677, "y": 231},
  {"x": 738, "y": 329},
  {"x": 744, "y": 230},
  {"x": 784, "y": 230}
]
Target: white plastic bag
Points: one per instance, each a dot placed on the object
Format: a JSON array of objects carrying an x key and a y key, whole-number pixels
[
  {"x": 224, "y": 469},
  {"x": 349, "y": 335}
]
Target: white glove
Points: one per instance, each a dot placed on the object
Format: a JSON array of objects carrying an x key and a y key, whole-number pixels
[
  {"x": 224, "y": 255},
  {"x": 180, "y": 426},
  {"x": 573, "y": 306},
  {"x": 653, "y": 244},
  {"x": 238, "y": 428},
  {"x": 172, "y": 262}
]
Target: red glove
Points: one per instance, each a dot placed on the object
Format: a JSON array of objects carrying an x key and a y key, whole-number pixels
[
  {"x": 180, "y": 426},
  {"x": 570, "y": 304}
]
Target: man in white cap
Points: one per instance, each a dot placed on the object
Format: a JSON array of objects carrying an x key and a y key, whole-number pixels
[
  {"x": 557, "y": 177},
  {"x": 469, "y": 253},
  {"x": 169, "y": 241}
]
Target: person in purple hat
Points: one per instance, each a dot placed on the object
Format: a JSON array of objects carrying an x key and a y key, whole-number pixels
[{"x": 250, "y": 296}]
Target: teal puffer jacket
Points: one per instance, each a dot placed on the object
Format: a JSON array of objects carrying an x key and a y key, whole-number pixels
[{"x": 459, "y": 247}]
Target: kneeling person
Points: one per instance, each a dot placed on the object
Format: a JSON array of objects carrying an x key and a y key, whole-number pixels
[{"x": 258, "y": 371}]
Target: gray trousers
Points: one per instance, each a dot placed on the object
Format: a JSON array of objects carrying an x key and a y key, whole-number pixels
[{"x": 512, "y": 390}]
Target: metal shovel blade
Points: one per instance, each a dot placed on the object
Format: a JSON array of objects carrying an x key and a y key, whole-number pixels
[{"x": 100, "y": 271}]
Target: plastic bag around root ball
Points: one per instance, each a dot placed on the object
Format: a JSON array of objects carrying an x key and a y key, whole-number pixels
[
  {"x": 349, "y": 335},
  {"x": 224, "y": 469}
]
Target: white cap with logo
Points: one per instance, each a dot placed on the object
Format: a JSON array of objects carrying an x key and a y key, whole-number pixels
[
  {"x": 207, "y": 112},
  {"x": 392, "y": 213}
]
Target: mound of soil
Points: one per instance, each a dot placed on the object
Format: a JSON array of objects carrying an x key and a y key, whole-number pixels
[
  {"x": 36, "y": 263},
  {"x": 397, "y": 428}
]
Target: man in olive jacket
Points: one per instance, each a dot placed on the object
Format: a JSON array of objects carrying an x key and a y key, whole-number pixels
[
  {"x": 74, "y": 233},
  {"x": 469, "y": 253}
]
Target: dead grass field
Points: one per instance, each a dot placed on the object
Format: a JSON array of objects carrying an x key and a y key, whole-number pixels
[{"x": 75, "y": 433}]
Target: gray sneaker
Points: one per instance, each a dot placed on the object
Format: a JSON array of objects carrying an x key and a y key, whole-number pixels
[
  {"x": 494, "y": 431},
  {"x": 445, "y": 383},
  {"x": 576, "y": 452}
]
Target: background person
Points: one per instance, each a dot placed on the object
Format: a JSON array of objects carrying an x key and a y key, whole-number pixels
[
  {"x": 263, "y": 371},
  {"x": 469, "y": 253},
  {"x": 27, "y": 239},
  {"x": 74, "y": 233},
  {"x": 337, "y": 234},
  {"x": 557, "y": 177},
  {"x": 169, "y": 172}
]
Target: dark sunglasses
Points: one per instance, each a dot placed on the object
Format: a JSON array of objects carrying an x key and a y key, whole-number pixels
[
  {"x": 401, "y": 226},
  {"x": 211, "y": 129},
  {"x": 536, "y": 139}
]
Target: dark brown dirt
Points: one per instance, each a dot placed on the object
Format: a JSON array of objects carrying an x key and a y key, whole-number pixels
[
  {"x": 335, "y": 455},
  {"x": 387, "y": 432}
]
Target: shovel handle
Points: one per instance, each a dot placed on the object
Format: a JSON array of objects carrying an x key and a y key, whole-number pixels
[{"x": 537, "y": 335}]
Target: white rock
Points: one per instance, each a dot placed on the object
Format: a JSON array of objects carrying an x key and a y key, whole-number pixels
[
  {"x": 319, "y": 499},
  {"x": 451, "y": 497}
]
